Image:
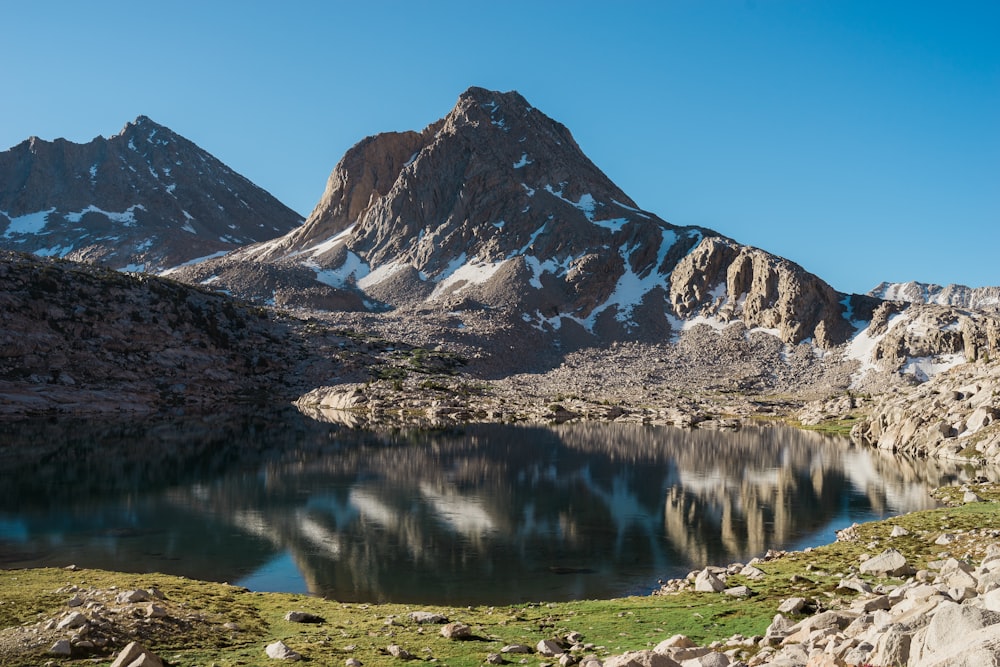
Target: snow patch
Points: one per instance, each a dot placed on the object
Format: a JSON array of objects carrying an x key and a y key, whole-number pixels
[
  {"x": 192, "y": 262},
  {"x": 471, "y": 273},
  {"x": 126, "y": 217},
  {"x": 523, "y": 162},
  {"x": 351, "y": 271},
  {"x": 31, "y": 223},
  {"x": 381, "y": 273},
  {"x": 924, "y": 368},
  {"x": 588, "y": 206},
  {"x": 330, "y": 243}
]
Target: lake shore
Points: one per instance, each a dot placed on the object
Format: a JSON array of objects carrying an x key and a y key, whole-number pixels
[{"x": 202, "y": 623}]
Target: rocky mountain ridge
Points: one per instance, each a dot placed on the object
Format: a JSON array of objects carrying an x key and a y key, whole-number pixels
[
  {"x": 496, "y": 207},
  {"x": 145, "y": 199},
  {"x": 960, "y": 296}
]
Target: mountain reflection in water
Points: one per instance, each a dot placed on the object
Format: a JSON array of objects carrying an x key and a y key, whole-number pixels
[{"x": 482, "y": 514}]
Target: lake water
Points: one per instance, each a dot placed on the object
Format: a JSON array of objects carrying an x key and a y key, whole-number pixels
[{"x": 477, "y": 515}]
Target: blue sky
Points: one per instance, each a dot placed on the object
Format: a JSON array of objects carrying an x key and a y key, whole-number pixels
[{"x": 860, "y": 139}]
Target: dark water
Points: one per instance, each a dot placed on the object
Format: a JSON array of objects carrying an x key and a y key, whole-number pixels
[{"x": 485, "y": 514}]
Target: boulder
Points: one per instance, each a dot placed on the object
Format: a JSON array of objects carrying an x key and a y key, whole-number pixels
[
  {"x": 641, "y": 659},
  {"x": 280, "y": 651},
  {"x": 889, "y": 563},
  {"x": 707, "y": 582},
  {"x": 136, "y": 654},
  {"x": 516, "y": 648},
  {"x": 397, "y": 651},
  {"x": 72, "y": 621},
  {"x": 303, "y": 617},
  {"x": 421, "y": 617},
  {"x": 549, "y": 648},
  {"x": 61, "y": 648},
  {"x": 456, "y": 630}
]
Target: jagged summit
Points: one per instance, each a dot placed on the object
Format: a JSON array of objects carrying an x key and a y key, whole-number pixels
[
  {"x": 143, "y": 199},
  {"x": 496, "y": 206}
]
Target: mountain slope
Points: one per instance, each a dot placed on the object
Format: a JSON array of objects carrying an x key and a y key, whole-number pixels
[
  {"x": 496, "y": 206},
  {"x": 145, "y": 199}
]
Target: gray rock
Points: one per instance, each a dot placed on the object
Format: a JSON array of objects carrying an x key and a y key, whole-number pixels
[
  {"x": 303, "y": 617},
  {"x": 353, "y": 662},
  {"x": 710, "y": 659},
  {"x": 61, "y": 648},
  {"x": 136, "y": 654},
  {"x": 516, "y": 648},
  {"x": 456, "y": 630},
  {"x": 854, "y": 584},
  {"x": 899, "y": 531},
  {"x": 72, "y": 621},
  {"x": 979, "y": 648},
  {"x": 892, "y": 647},
  {"x": 549, "y": 648},
  {"x": 971, "y": 497},
  {"x": 641, "y": 659},
  {"x": 74, "y": 601},
  {"x": 792, "y": 606},
  {"x": 397, "y": 651},
  {"x": 422, "y": 617},
  {"x": 128, "y": 597},
  {"x": 279, "y": 651},
  {"x": 953, "y": 620},
  {"x": 738, "y": 591},
  {"x": 495, "y": 659},
  {"x": 707, "y": 582},
  {"x": 888, "y": 563}
]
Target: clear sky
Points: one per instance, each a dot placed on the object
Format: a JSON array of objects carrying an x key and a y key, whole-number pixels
[{"x": 859, "y": 138}]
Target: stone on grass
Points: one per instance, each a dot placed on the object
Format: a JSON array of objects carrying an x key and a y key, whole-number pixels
[
  {"x": 456, "y": 630},
  {"x": 136, "y": 653},
  {"x": 495, "y": 659},
  {"x": 549, "y": 648},
  {"x": 707, "y": 582},
  {"x": 279, "y": 651},
  {"x": 792, "y": 606},
  {"x": 888, "y": 563},
  {"x": 61, "y": 648},
  {"x": 303, "y": 617},
  {"x": 397, "y": 651},
  {"x": 677, "y": 641},
  {"x": 353, "y": 662},
  {"x": 516, "y": 648},
  {"x": 738, "y": 591},
  {"x": 421, "y": 617},
  {"x": 899, "y": 531},
  {"x": 128, "y": 597}
]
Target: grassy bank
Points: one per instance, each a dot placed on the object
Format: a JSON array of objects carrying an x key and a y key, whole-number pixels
[{"x": 216, "y": 624}]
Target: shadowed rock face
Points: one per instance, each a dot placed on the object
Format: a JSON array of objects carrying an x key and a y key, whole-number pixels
[
  {"x": 496, "y": 206},
  {"x": 145, "y": 199}
]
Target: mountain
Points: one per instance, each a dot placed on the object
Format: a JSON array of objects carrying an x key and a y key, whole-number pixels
[
  {"x": 973, "y": 298},
  {"x": 146, "y": 199},
  {"x": 496, "y": 207}
]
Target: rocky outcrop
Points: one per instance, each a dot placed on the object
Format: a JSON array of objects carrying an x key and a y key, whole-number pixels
[
  {"x": 960, "y": 296},
  {"x": 952, "y": 416},
  {"x": 723, "y": 280},
  {"x": 145, "y": 199}
]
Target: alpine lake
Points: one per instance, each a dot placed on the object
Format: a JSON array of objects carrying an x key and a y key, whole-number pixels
[{"x": 480, "y": 514}]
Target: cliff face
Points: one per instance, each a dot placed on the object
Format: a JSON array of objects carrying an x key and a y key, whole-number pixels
[
  {"x": 724, "y": 280},
  {"x": 145, "y": 200}
]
